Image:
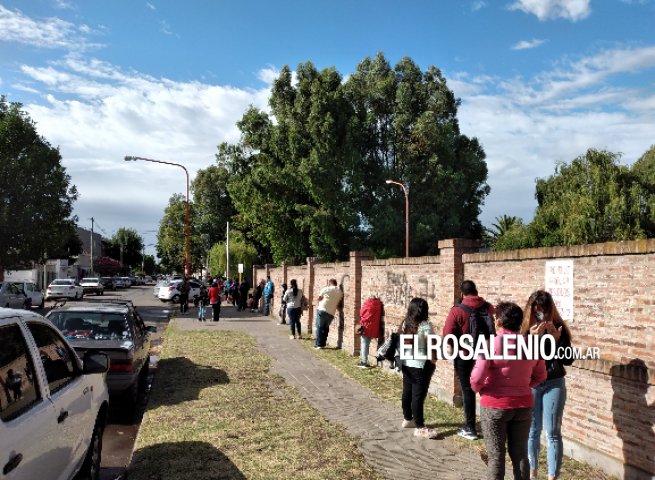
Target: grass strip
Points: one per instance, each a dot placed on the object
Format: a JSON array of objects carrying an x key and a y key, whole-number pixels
[
  {"x": 216, "y": 412},
  {"x": 444, "y": 418}
]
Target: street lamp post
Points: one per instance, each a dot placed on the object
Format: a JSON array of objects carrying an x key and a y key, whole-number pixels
[
  {"x": 402, "y": 185},
  {"x": 187, "y": 235}
]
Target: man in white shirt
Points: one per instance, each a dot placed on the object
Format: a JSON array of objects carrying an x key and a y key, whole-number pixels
[{"x": 329, "y": 300}]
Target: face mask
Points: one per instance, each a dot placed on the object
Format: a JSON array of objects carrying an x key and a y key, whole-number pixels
[{"x": 540, "y": 316}]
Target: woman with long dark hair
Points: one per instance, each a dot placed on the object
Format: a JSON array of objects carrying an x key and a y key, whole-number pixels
[
  {"x": 542, "y": 318},
  {"x": 292, "y": 297},
  {"x": 417, "y": 373}
]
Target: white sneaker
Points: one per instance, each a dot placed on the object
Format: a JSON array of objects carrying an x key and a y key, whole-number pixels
[
  {"x": 467, "y": 434},
  {"x": 292, "y": 337},
  {"x": 362, "y": 365},
  {"x": 409, "y": 424},
  {"x": 425, "y": 433}
]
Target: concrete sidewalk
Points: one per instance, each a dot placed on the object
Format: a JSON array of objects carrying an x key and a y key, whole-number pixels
[{"x": 393, "y": 451}]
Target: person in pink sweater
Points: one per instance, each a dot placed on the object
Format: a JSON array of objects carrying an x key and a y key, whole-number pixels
[{"x": 506, "y": 400}]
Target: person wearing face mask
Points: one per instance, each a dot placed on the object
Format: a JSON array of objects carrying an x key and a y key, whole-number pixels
[{"x": 542, "y": 318}]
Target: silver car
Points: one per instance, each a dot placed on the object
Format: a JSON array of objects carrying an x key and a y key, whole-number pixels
[{"x": 11, "y": 296}]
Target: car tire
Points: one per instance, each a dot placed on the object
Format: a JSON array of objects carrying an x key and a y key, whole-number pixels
[
  {"x": 28, "y": 304},
  {"x": 175, "y": 299},
  {"x": 91, "y": 467},
  {"x": 143, "y": 375},
  {"x": 42, "y": 304}
]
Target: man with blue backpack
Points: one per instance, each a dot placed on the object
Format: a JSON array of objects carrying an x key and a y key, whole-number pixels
[
  {"x": 474, "y": 316},
  {"x": 269, "y": 289}
]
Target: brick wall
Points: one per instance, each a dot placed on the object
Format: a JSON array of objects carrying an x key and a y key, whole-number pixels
[
  {"x": 610, "y": 411},
  {"x": 611, "y": 402}
]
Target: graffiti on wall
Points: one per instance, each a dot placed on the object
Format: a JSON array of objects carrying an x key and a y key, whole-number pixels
[{"x": 399, "y": 291}]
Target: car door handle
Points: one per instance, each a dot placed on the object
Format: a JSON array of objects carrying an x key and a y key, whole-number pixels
[
  {"x": 62, "y": 416},
  {"x": 13, "y": 463}
]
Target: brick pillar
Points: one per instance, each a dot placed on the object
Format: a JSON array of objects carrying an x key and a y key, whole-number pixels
[
  {"x": 450, "y": 253},
  {"x": 309, "y": 293},
  {"x": 354, "y": 299}
]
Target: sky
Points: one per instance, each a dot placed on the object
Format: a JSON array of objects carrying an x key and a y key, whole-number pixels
[{"x": 540, "y": 82}]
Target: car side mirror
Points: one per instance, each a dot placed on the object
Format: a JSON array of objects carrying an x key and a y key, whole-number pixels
[
  {"x": 95, "y": 362},
  {"x": 151, "y": 328}
]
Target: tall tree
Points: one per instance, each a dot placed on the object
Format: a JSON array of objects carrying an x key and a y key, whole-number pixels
[
  {"x": 591, "y": 200},
  {"x": 35, "y": 194},
  {"x": 240, "y": 252},
  {"x": 311, "y": 181},
  {"x": 126, "y": 244},
  {"x": 213, "y": 204},
  {"x": 171, "y": 238}
]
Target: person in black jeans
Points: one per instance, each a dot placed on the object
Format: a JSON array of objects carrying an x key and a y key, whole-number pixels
[
  {"x": 244, "y": 286},
  {"x": 457, "y": 324},
  {"x": 417, "y": 373},
  {"x": 184, "y": 296}
]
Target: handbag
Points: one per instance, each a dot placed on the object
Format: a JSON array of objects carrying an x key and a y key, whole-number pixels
[
  {"x": 304, "y": 303},
  {"x": 388, "y": 349}
]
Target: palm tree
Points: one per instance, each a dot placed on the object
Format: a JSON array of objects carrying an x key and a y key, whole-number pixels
[{"x": 503, "y": 225}]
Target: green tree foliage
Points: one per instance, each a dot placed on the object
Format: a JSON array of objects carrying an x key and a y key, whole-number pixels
[
  {"x": 35, "y": 194},
  {"x": 149, "y": 265},
  {"x": 171, "y": 239},
  {"x": 311, "y": 179},
  {"x": 130, "y": 242},
  {"x": 240, "y": 252},
  {"x": 213, "y": 204},
  {"x": 591, "y": 200},
  {"x": 503, "y": 224}
]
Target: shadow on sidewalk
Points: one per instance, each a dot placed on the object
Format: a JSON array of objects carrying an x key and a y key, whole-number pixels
[
  {"x": 180, "y": 380},
  {"x": 192, "y": 460}
]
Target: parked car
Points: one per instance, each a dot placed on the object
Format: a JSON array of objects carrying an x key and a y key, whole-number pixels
[
  {"x": 171, "y": 293},
  {"x": 108, "y": 283},
  {"x": 53, "y": 407},
  {"x": 92, "y": 285},
  {"x": 64, "y": 288},
  {"x": 160, "y": 283},
  {"x": 127, "y": 283},
  {"x": 117, "y": 329},
  {"x": 34, "y": 295},
  {"x": 11, "y": 296}
]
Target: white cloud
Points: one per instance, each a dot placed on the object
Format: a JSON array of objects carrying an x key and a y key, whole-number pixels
[
  {"x": 528, "y": 44},
  {"x": 97, "y": 113},
  {"x": 573, "y": 10},
  {"x": 150, "y": 6},
  {"x": 478, "y": 5},
  {"x": 555, "y": 116},
  {"x": 63, "y": 4},
  {"x": 268, "y": 74},
  {"x": 47, "y": 33},
  {"x": 164, "y": 27}
]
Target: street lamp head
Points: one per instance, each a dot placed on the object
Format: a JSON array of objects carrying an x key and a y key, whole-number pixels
[
  {"x": 129, "y": 158},
  {"x": 387, "y": 181}
]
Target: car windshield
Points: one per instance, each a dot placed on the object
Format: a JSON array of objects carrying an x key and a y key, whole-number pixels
[
  {"x": 62, "y": 282},
  {"x": 91, "y": 325}
]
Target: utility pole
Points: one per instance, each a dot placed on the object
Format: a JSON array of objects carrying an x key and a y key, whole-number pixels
[{"x": 92, "y": 246}]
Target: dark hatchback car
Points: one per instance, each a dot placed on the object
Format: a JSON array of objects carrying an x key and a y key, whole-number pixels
[
  {"x": 108, "y": 283},
  {"x": 117, "y": 329}
]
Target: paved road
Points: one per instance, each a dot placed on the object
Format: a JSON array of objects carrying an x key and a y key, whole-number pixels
[{"x": 123, "y": 427}]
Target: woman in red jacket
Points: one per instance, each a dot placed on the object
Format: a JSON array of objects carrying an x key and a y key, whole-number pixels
[
  {"x": 214, "y": 294},
  {"x": 370, "y": 317},
  {"x": 506, "y": 399}
]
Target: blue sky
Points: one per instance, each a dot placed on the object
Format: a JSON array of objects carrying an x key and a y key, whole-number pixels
[{"x": 540, "y": 82}]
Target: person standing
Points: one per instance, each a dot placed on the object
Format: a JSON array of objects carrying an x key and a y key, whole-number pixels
[
  {"x": 269, "y": 289},
  {"x": 244, "y": 286},
  {"x": 457, "y": 324},
  {"x": 184, "y": 295},
  {"x": 293, "y": 299},
  {"x": 329, "y": 299},
  {"x": 417, "y": 374},
  {"x": 203, "y": 301},
  {"x": 542, "y": 318},
  {"x": 283, "y": 306},
  {"x": 214, "y": 295},
  {"x": 257, "y": 296},
  {"x": 370, "y": 317},
  {"x": 506, "y": 397}
]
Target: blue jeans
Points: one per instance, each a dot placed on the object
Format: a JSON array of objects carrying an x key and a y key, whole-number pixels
[
  {"x": 201, "y": 311},
  {"x": 267, "y": 304},
  {"x": 549, "y": 400},
  {"x": 323, "y": 321},
  {"x": 366, "y": 343},
  {"x": 293, "y": 314}
]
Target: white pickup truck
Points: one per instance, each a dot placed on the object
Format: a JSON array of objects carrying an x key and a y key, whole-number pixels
[{"x": 53, "y": 406}]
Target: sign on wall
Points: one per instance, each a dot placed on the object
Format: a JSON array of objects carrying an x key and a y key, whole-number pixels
[{"x": 559, "y": 283}]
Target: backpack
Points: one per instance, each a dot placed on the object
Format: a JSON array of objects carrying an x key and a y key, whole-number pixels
[{"x": 480, "y": 322}]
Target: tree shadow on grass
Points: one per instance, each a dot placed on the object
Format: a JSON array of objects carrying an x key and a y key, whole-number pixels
[
  {"x": 180, "y": 380},
  {"x": 192, "y": 460}
]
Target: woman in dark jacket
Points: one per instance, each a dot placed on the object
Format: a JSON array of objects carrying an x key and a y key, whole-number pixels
[{"x": 542, "y": 318}]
